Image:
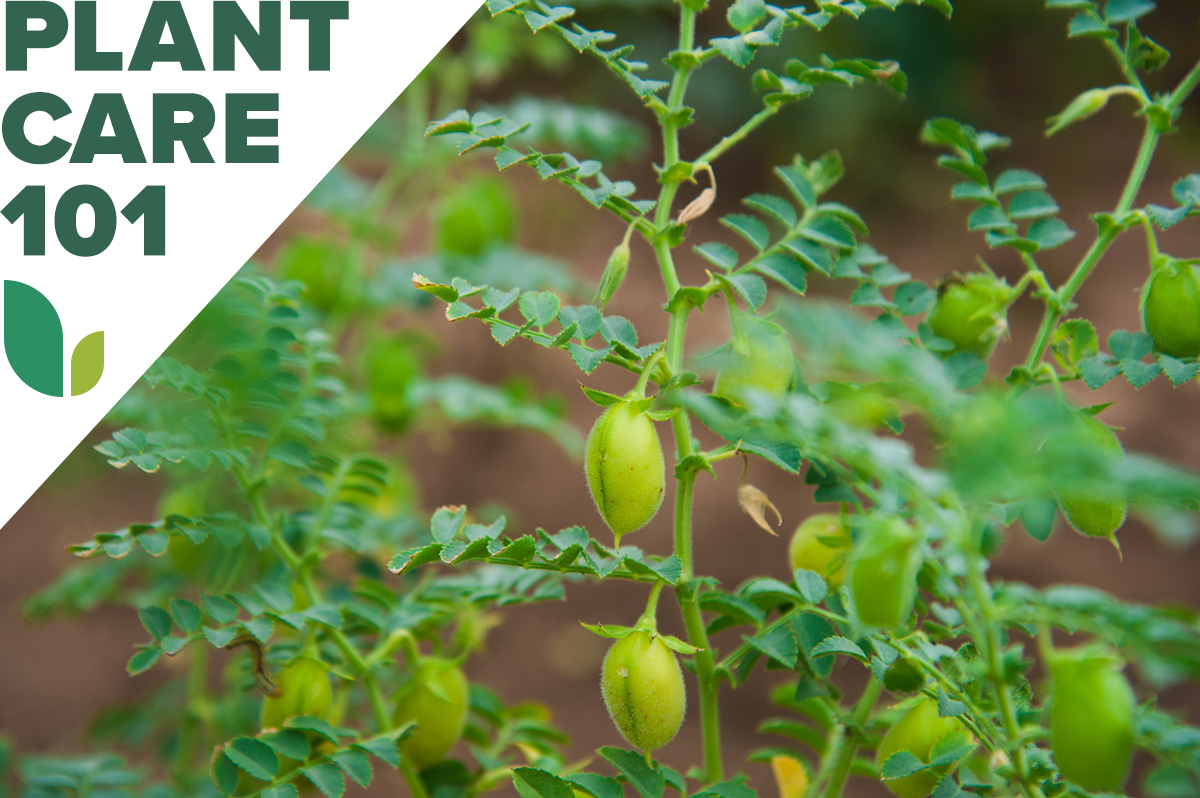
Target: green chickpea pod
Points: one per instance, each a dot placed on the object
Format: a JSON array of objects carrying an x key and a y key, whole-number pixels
[
  {"x": 883, "y": 572},
  {"x": 917, "y": 732},
  {"x": 1171, "y": 308},
  {"x": 304, "y": 689},
  {"x": 1096, "y": 516},
  {"x": 643, "y": 690},
  {"x": 759, "y": 358},
  {"x": 438, "y": 699},
  {"x": 1092, "y": 710},
  {"x": 625, "y": 469},
  {"x": 972, "y": 312}
]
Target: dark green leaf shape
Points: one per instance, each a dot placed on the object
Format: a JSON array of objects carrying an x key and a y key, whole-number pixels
[
  {"x": 1118, "y": 11},
  {"x": 901, "y": 764},
  {"x": 1098, "y": 370},
  {"x": 948, "y": 707},
  {"x": 1032, "y": 205},
  {"x": 143, "y": 660},
  {"x": 327, "y": 778},
  {"x": 254, "y": 757},
  {"x": 597, "y": 785},
  {"x": 1086, "y": 23},
  {"x": 965, "y": 370},
  {"x": 913, "y": 298},
  {"x": 534, "y": 783},
  {"x": 778, "y": 643},
  {"x": 647, "y": 780},
  {"x": 33, "y": 338},
  {"x": 1049, "y": 233},
  {"x": 355, "y": 764},
  {"x": 224, "y": 774},
  {"x": 720, "y": 255},
  {"x": 838, "y": 645},
  {"x": 156, "y": 621},
  {"x": 812, "y": 586},
  {"x": 1037, "y": 516}
]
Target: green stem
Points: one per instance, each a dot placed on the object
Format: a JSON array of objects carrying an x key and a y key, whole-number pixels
[
  {"x": 736, "y": 136},
  {"x": 415, "y": 786},
  {"x": 1136, "y": 177},
  {"x": 685, "y": 592},
  {"x": 1185, "y": 88},
  {"x": 977, "y": 584},
  {"x": 845, "y": 739},
  {"x": 1109, "y": 233}
]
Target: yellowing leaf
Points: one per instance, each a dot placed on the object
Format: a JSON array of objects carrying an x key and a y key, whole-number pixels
[{"x": 790, "y": 776}]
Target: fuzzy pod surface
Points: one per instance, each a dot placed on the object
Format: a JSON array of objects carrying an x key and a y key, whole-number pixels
[
  {"x": 625, "y": 469},
  {"x": 643, "y": 690}
]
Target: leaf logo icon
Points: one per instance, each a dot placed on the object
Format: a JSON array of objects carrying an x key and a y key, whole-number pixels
[{"x": 33, "y": 343}]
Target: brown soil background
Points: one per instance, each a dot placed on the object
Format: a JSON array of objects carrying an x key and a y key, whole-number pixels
[{"x": 54, "y": 677}]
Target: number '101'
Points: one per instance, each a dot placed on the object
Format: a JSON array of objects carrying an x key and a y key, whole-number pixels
[{"x": 150, "y": 205}]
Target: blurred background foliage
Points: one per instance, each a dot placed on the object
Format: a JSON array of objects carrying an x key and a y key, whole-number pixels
[{"x": 400, "y": 203}]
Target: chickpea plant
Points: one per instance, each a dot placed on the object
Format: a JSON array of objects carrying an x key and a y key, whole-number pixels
[{"x": 993, "y": 688}]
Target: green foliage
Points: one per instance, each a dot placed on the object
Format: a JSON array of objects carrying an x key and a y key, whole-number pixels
[{"x": 274, "y": 418}]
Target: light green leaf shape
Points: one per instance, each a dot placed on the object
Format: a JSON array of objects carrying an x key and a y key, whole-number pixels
[
  {"x": 87, "y": 363},
  {"x": 33, "y": 338}
]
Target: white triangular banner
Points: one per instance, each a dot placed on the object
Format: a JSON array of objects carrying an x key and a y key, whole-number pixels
[{"x": 216, "y": 214}]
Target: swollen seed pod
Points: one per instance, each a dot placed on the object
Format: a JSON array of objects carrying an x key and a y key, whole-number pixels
[
  {"x": 304, "y": 689},
  {"x": 437, "y": 699},
  {"x": 1171, "y": 310},
  {"x": 625, "y": 469},
  {"x": 1092, "y": 710},
  {"x": 759, "y": 358},
  {"x": 643, "y": 691},
  {"x": 917, "y": 732},
  {"x": 1096, "y": 515},
  {"x": 971, "y": 312},
  {"x": 883, "y": 572},
  {"x": 821, "y": 544}
]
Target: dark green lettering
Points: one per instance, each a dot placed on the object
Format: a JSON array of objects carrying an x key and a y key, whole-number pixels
[
  {"x": 19, "y": 39},
  {"x": 150, "y": 205},
  {"x": 191, "y": 133},
  {"x": 265, "y": 46},
  {"x": 240, "y": 128},
  {"x": 87, "y": 58},
  {"x": 93, "y": 142},
  {"x": 150, "y": 49},
  {"x": 319, "y": 14},
  {"x": 66, "y": 221},
  {"x": 14, "y": 128}
]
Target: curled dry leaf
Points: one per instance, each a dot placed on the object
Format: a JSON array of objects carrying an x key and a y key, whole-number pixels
[
  {"x": 755, "y": 503},
  {"x": 699, "y": 206}
]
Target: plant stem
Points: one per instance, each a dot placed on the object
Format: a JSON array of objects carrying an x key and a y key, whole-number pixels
[
  {"x": 1100, "y": 246},
  {"x": 843, "y": 744},
  {"x": 411, "y": 779},
  {"x": 733, "y": 138},
  {"x": 977, "y": 583},
  {"x": 685, "y": 591},
  {"x": 1137, "y": 176}
]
